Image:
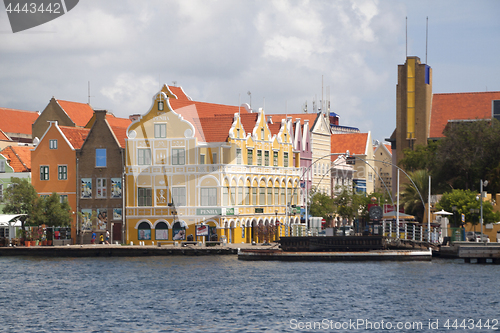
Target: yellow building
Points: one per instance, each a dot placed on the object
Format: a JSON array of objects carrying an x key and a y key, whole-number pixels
[{"x": 214, "y": 168}]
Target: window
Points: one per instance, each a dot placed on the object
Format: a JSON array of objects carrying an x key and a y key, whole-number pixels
[
  {"x": 214, "y": 158},
  {"x": 269, "y": 196},
  {"x": 2, "y": 166},
  {"x": 225, "y": 196},
  {"x": 285, "y": 160},
  {"x": 63, "y": 198},
  {"x": 202, "y": 159},
  {"x": 275, "y": 158},
  {"x": 62, "y": 172},
  {"x": 144, "y": 156},
  {"x": 259, "y": 157},
  {"x": 276, "y": 196},
  {"x": 262, "y": 196},
  {"x": 208, "y": 196},
  {"x": 144, "y": 231},
  {"x": 249, "y": 156},
  {"x": 238, "y": 155},
  {"x": 161, "y": 231},
  {"x": 496, "y": 110},
  {"x": 247, "y": 196},
  {"x": 254, "y": 196},
  {"x": 179, "y": 196},
  {"x": 144, "y": 197},
  {"x": 240, "y": 196},
  {"x": 262, "y": 134},
  {"x": 266, "y": 158},
  {"x": 160, "y": 105},
  {"x": 100, "y": 157},
  {"x": 283, "y": 199},
  {"x": 44, "y": 172},
  {"x": 53, "y": 144},
  {"x": 101, "y": 188},
  {"x": 160, "y": 131},
  {"x": 178, "y": 156}
]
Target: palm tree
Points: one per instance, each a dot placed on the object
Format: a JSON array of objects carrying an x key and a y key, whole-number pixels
[{"x": 413, "y": 193}]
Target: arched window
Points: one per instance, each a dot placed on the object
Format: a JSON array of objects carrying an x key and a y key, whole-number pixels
[
  {"x": 178, "y": 231},
  {"x": 161, "y": 231},
  {"x": 144, "y": 231}
]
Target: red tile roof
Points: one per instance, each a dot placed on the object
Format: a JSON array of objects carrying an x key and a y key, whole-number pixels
[
  {"x": 276, "y": 118},
  {"x": 17, "y": 121},
  {"x": 3, "y": 136},
  {"x": 117, "y": 122},
  {"x": 120, "y": 134},
  {"x": 79, "y": 113},
  {"x": 354, "y": 142},
  {"x": 459, "y": 106},
  {"x": 18, "y": 157},
  {"x": 76, "y": 136}
]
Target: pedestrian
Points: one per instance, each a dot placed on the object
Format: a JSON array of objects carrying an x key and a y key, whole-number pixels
[
  {"x": 107, "y": 236},
  {"x": 92, "y": 241},
  {"x": 101, "y": 239}
]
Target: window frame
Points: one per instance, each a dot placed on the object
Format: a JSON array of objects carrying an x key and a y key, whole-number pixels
[
  {"x": 45, "y": 172},
  {"x": 142, "y": 156},
  {"x": 160, "y": 131},
  {"x": 98, "y": 156},
  {"x": 62, "y": 172},
  {"x": 208, "y": 196},
  {"x": 101, "y": 188},
  {"x": 176, "y": 156},
  {"x": 53, "y": 144},
  {"x": 146, "y": 197}
]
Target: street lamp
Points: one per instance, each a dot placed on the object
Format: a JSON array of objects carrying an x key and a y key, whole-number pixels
[{"x": 482, "y": 183}]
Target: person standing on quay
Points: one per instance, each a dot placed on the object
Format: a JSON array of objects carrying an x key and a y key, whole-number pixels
[
  {"x": 107, "y": 236},
  {"x": 101, "y": 239},
  {"x": 92, "y": 241}
]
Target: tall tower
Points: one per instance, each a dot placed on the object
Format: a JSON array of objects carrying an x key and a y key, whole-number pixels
[{"x": 413, "y": 105}]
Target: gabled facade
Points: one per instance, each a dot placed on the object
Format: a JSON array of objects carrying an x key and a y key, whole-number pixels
[
  {"x": 66, "y": 113},
  {"x": 360, "y": 146},
  {"x": 54, "y": 163},
  {"x": 383, "y": 166},
  {"x": 16, "y": 124},
  {"x": 100, "y": 165},
  {"x": 189, "y": 166}
]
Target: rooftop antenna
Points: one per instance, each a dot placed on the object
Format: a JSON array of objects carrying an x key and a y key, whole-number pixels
[
  {"x": 426, "y": 37},
  {"x": 407, "y": 37},
  {"x": 174, "y": 83},
  {"x": 89, "y": 94},
  {"x": 239, "y": 105}
]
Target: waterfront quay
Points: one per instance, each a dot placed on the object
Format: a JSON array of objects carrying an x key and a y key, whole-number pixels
[{"x": 113, "y": 250}]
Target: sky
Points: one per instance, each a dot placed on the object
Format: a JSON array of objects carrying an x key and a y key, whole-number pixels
[{"x": 274, "y": 54}]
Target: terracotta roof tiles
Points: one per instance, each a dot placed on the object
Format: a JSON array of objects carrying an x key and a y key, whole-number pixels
[
  {"x": 17, "y": 121},
  {"x": 76, "y": 136},
  {"x": 354, "y": 142},
  {"x": 19, "y": 157},
  {"x": 79, "y": 113},
  {"x": 459, "y": 106},
  {"x": 3, "y": 136}
]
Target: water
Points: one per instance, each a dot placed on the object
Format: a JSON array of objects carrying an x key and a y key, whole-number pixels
[{"x": 222, "y": 294}]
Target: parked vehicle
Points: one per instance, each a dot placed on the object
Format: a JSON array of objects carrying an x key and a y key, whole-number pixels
[
  {"x": 481, "y": 238},
  {"x": 470, "y": 236}
]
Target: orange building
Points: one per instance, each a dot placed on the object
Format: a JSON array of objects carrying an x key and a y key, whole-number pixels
[{"x": 53, "y": 163}]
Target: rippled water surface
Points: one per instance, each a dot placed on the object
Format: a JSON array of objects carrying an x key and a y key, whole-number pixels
[{"x": 222, "y": 294}]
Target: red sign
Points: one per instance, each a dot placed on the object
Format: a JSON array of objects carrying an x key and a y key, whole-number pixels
[{"x": 392, "y": 208}]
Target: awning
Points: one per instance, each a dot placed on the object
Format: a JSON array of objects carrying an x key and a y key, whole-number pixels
[
  {"x": 443, "y": 212},
  {"x": 12, "y": 218},
  {"x": 402, "y": 216}
]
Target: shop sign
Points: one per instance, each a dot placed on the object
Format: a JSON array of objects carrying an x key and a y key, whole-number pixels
[
  {"x": 208, "y": 211},
  {"x": 202, "y": 230},
  {"x": 259, "y": 210},
  {"x": 228, "y": 211}
]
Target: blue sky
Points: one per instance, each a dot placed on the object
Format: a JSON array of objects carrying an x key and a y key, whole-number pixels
[{"x": 286, "y": 53}]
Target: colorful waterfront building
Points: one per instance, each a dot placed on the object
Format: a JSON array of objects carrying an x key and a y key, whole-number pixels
[
  {"x": 54, "y": 163},
  {"x": 100, "y": 165},
  {"x": 205, "y": 172}
]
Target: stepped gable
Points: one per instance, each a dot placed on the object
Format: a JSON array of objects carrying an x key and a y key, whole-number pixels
[
  {"x": 354, "y": 142},
  {"x": 18, "y": 157},
  {"x": 17, "y": 121},
  {"x": 459, "y": 106},
  {"x": 76, "y": 136},
  {"x": 79, "y": 113}
]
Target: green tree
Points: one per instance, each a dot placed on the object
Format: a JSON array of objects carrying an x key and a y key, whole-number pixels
[
  {"x": 465, "y": 200},
  {"x": 53, "y": 212},
  {"x": 469, "y": 152},
  {"x": 321, "y": 206},
  {"x": 423, "y": 157},
  {"x": 414, "y": 192},
  {"x": 21, "y": 198}
]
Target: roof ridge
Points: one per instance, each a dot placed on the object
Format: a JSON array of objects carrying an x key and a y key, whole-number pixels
[{"x": 470, "y": 92}]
